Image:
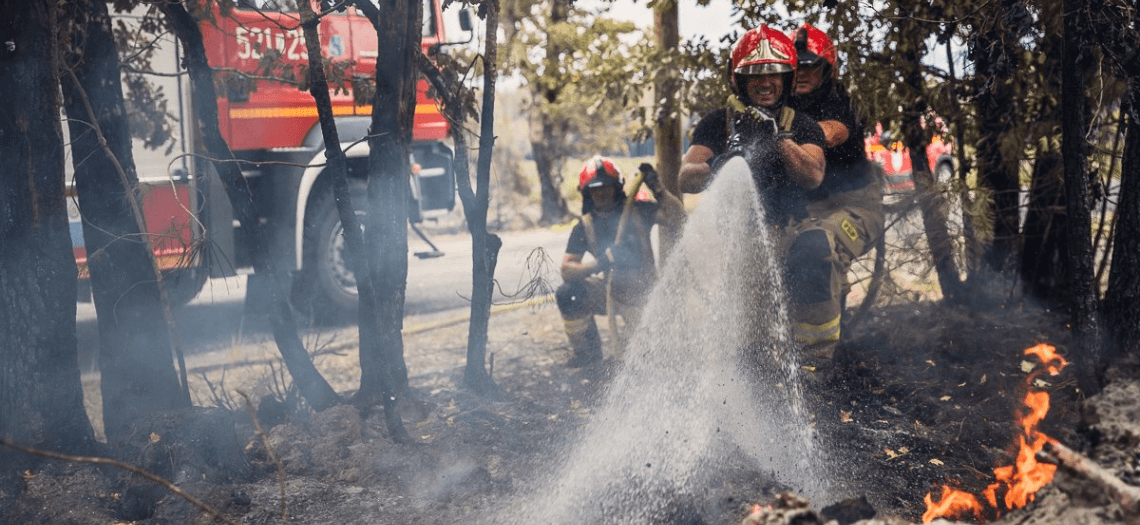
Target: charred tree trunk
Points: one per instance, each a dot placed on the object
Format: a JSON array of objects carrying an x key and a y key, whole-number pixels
[
  {"x": 931, "y": 201},
  {"x": 1122, "y": 299},
  {"x": 383, "y": 371},
  {"x": 354, "y": 237},
  {"x": 667, "y": 130},
  {"x": 1044, "y": 252},
  {"x": 549, "y": 155},
  {"x": 1042, "y": 266},
  {"x": 485, "y": 246},
  {"x": 1078, "y": 235},
  {"x": 137, "y": 375},
  {"x": 475, "y": 207},
  {"x": 312, "y": 385},
  {"x": 995, "y": 60},
  {"x": 41, "y": 397}
]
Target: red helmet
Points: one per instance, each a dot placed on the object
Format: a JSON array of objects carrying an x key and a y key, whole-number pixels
[
  {"x": 814, "y": 48},
  {"x": 762, "y": 51},
  {"x": 598, "y": 171}
]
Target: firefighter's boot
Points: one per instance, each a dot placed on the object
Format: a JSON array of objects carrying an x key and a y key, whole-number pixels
[{"x": 585, "y": 340}]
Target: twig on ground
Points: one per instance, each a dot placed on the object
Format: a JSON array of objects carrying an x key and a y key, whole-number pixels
[
  {"x": 129, "y": 468},
  {"x": 269, "y": 452},
  {"x": 1127, "y": 496}
]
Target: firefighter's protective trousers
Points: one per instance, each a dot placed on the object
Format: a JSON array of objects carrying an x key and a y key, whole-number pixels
[{"x": 818, "y": 252}]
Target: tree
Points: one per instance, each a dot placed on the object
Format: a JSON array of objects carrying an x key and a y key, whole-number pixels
[
  {"x": 1122, "y": 299},
  {"x": 136, "y": 338},
  {"x": 1074, "y": 123},
  {"x": 485, "y": 246},
  {"x": 383, "y": 371},
  {"x": 311, "y": 384},
  {"x": 581, "y": 86},
  {"x": 41, "y": 397}
]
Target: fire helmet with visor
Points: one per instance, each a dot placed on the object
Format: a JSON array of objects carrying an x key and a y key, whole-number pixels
[
  {"x": 814, "y": 48},
  {"x": 596, "y": 173},
  {"x": 762, "y": 51}
]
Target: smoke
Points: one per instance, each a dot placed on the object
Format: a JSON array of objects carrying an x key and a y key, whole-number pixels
[{"x": 708, "y": 382}]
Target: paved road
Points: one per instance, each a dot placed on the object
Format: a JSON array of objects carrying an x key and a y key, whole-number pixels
[{"x": 436, "y": 287}]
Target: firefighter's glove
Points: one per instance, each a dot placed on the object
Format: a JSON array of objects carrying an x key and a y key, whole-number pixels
[
  {"x": 651, "y": 179},
  {"x": 718, "y": 161},
  {"x": 755, "y": 122}
]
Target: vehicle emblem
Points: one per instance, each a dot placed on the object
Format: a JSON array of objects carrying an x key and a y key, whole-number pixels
[{"x": 336, "y": 45}]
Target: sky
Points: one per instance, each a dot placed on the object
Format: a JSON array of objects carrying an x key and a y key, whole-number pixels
[{"x": 712, "y": 21}]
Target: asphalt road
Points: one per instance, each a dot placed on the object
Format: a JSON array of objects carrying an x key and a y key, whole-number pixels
[{"x": 437, "y": 287}]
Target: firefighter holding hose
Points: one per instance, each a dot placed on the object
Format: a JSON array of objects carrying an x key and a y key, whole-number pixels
[
  {"x": 784, "y": 150},
  {"x": 615, "y": 230}
]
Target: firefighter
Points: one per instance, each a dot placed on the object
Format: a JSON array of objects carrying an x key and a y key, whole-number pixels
[
  {"x": 762, "y": 72},
  {"x": 846, "y": 210},
  {"x": 621, "y": 271}
]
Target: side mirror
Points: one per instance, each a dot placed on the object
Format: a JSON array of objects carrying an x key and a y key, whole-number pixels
[{"x": 465, "y": 20}]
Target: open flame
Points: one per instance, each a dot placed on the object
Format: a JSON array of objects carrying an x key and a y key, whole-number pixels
[{"x": 1026, "y": 476}]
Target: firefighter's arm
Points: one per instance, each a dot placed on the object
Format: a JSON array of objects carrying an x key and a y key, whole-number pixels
[
  {"x": 670, "y": 211},
  {"x": 834, "y": 132},
  {"x": 573, "y": 269},
  {"x": 805, "y": 163},
  {"x": 695, "y": 170}
]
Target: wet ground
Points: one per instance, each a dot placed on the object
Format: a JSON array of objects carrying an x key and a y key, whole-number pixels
[{"x": 929, "y": 398}]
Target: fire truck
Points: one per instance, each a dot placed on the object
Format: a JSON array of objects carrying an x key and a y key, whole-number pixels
[
  {"x": 273, "y": 127},
  {"x": 883, "y": 147}
]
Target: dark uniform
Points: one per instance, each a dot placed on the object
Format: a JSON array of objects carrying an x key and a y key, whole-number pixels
[
  {"x": 845, "y": 217},
  {"x": 784, "y": 200},
  {"x": 634, "y": 270}
]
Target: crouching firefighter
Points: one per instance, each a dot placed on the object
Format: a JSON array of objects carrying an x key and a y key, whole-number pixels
[{"x": 615, "y": 230}]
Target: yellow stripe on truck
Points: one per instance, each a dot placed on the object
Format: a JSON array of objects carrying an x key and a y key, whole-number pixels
[{"x": 311, "y": 111}]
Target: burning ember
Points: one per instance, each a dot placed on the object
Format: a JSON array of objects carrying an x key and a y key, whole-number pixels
[{"x": 1016, "y": 483}]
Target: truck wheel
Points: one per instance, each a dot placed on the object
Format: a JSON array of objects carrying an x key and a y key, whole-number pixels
[
  {"x": 183, "y": 284},
  {"x": 331, "y": 283}
]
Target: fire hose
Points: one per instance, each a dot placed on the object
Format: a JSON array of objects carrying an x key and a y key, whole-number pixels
[{"x": 611, "y": 314}]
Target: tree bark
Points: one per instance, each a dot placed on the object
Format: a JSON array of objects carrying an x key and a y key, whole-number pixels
[
  {"x": 1122, "y": 299},
  {"x": 41, "y": 397},
  {"x": 549, "y": 156},
  {"x": 995, "y": 60},
  {"x": 485, "y": 246},
  {"x": 667, "y": 129},
  {"x": 312, "y": 385},
  {"x": 1074, "y": 150},
  {"x": 384, "y": 374},
  {"x": 1044, "y": 251},
  {"x": 135, "y": 339}
]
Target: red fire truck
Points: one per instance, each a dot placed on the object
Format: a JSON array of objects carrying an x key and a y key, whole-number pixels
[
  {"x": 888, "y": 151},
  {"x": 274, "y": 127}
]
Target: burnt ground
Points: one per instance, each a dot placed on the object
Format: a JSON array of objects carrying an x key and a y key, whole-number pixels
[{"x": 929, "y": 399}]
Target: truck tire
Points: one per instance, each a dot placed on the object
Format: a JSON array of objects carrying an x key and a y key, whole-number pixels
[
  {"x": 330, "y": 282},
  {"x": 183, "y": 284}
]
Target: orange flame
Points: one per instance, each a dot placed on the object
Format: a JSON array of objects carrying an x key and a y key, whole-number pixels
[{"x": 1026, "y": 476}]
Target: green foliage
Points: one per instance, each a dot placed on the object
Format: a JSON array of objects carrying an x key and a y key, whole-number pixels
[{"x": 587, "y": 86}]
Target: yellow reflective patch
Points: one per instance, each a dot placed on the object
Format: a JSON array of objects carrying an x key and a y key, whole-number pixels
[{"x": 850, "y": 230}]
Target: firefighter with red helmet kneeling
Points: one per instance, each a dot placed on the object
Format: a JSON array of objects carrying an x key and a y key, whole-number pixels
[
  {"x": 784, "y": 150},
  {"x": 623, "y": 269},
  {"x": 846, "y": 210}
]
